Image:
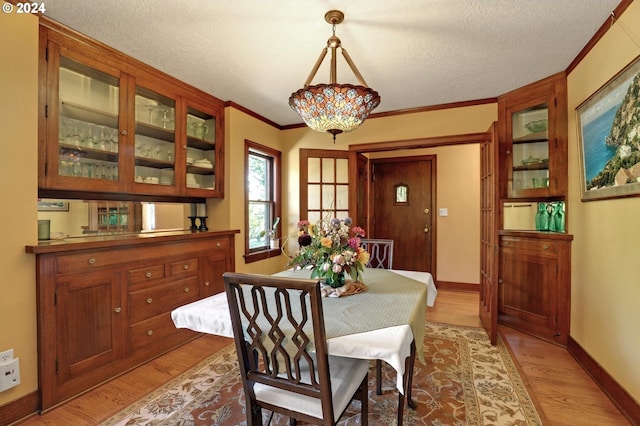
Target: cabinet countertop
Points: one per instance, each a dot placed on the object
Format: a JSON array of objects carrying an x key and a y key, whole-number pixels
[
  {"x": 536, "y": 234},
  {"x": 131, "y": 239}
]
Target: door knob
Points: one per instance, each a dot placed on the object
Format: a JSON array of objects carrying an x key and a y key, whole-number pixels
[
  {"x": 426, "y": 229},
  {"x": 426, "y": 211}
]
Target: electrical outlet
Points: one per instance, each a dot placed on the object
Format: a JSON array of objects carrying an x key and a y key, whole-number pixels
[
  {"x": 9, "y": 374},
  {"x": 6, "y": 356}
]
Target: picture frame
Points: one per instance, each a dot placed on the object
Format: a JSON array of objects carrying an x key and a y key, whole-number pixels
[
  {"x": 53, "y": 206},
  {"x": 609, "y": 138}
]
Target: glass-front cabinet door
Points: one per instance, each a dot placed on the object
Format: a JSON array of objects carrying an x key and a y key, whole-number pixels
[
  {"x": 203, "y": 152},
  {"x": 533, "y": 140},
  {"x": 109, "y": 125},
  {"x": 530, "y": 151},
  {"x": 84, "y": 121},
  {"x": 155, "y": 142}
]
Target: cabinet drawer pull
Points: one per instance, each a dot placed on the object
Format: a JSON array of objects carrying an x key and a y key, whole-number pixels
[
  {"x": 500, "y": 280},
  {"x": 218, "y": 244},
  {"x": 186, "y": 289},
  {"x": 118, "y": 309},
  {"x": 545, "y": 247},
  {"x": 148, "y": 275},
  {"x": 185, "y": 266},
  {"x": 123, "y": 132},
  {"x": 206, "y": 283},
  {"x": 149, "y": 300},
  {"x": 150, "y": 332},
  {"x": 91, "y": 261}
]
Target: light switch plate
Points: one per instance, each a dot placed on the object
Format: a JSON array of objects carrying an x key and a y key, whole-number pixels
[{"x": 443, "y": 211}]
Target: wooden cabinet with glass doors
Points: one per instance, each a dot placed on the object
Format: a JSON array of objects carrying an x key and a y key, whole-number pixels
[
  {"x": 112, "y": 125},
  {"x": 533, "y": 140}
]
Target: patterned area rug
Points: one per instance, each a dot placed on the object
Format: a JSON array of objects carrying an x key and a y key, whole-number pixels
[{"x": 465, "y": 381}]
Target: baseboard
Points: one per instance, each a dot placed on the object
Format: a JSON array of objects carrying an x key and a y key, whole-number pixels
[
  {"x": 20, "y": 408},
  {"x": 448, "y": 285},
  {"x": 627, "y": 405}
]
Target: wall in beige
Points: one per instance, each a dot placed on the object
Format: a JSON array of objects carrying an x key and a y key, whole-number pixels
[
  {"x": 458, "y": 238},
  {"x": 18, "y": 174},
  {"x": 605, "y": 284}
]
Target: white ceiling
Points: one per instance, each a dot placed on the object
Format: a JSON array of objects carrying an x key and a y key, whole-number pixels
[{"x": 415, "y": 53}]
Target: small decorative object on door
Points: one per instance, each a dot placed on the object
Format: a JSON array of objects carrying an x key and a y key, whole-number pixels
[{"x": 332, "y": 249}]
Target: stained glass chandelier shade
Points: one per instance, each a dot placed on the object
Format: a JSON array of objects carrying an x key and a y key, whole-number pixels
[{"x": 334, "y": 108}]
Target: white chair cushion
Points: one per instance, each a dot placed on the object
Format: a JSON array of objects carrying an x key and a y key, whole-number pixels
[{"x": 346, "y": 376}]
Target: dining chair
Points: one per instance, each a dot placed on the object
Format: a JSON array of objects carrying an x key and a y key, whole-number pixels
[
  {"x": 278, "y": 327},
  {"x": 380, "y": 256},
  {"x": 380, "y": 252}
]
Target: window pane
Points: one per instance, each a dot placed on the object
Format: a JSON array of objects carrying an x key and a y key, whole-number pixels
[
  {"x": 258, "y": 178},
  {"x": 328, "y": 172},
  {"x": 342, "y": 170},
  {"x": 258, "y": 222},
  {"x": 328, "y": 197},
  {"x": 342, "y": 214},
  {"x": 314, "y": 216},
  {"x": 342, "y": 197},
  {"x": 313, "y": 169},
  {"x": 313, "y": 197}
]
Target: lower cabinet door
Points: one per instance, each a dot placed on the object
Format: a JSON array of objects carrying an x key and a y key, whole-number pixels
[
  {"x": 89, "y": 323},
  {"x": 528, "y": 291},
  {"x": 214, "y": 266}
]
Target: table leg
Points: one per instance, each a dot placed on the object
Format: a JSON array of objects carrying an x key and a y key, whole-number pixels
[{"x": 408, "y": 378}]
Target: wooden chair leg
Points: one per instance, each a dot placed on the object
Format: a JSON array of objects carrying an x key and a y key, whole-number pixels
[
  {"x": 378, "y": 377},
  {"x": 364, "y": 400}
]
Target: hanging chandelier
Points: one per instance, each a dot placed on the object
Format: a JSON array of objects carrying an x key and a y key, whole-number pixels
[{"x": 334, "y": 108}]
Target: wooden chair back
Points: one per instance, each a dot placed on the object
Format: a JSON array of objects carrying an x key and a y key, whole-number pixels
[
  {"x": 380, "y": 251},
  {"x": 278, "y": 324}
]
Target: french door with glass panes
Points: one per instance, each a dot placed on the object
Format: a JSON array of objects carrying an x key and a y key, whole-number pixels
[{"x": 324, "y": 184}]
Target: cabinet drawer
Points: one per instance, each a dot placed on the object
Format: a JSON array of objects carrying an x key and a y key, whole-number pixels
[
  {"x": 188, "y": 266},
  {"x": 84, "y": 261},
  {"x": 154, "y": 331},
  {"x": 544, "y": 246},
  {"x": 157, "y": 299},
  {"x": 220, "y": 243},
  {"x": 145, "y": 274}
]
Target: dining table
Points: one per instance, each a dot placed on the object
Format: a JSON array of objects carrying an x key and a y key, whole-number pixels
[{"x": 385, "y": 322}]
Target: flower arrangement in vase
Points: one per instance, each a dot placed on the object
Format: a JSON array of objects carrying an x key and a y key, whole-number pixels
[{"x": 332, "y": 249}]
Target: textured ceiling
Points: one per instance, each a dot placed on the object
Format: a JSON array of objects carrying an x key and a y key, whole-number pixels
[{"x": 415, "y": 53}]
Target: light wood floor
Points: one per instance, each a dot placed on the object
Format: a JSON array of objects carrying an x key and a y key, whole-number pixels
[{"x": 563, "y": 392}]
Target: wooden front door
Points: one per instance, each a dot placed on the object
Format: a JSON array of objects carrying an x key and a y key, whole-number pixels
[
  {"x": 403, "y": 198},
  {"x": 489, "y": 225}
]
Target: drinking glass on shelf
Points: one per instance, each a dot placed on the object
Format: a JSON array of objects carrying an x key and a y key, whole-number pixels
[
  {"x": 90, "y": 137},
  {"x": 72, "y": 136},
  {"x": 165, "y": 120},
  {"x": 103, "y": 140},
  {"x": 150, "y": 108}
]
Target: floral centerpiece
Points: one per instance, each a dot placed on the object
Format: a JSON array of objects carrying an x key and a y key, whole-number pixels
[{"x": 332, "y": 249}]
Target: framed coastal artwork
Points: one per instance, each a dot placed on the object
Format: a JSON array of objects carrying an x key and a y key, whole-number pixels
[{"x": 609, "y": 138}]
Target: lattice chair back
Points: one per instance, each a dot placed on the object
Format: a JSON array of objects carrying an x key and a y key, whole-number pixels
[
  {"x": 380, "y": 251},
  {"x": 278, "y": 327}
]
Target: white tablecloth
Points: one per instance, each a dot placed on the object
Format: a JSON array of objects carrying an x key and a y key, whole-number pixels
[
  {"x": 391, "y": 344},
  {"x": 424, "y": 277}
]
